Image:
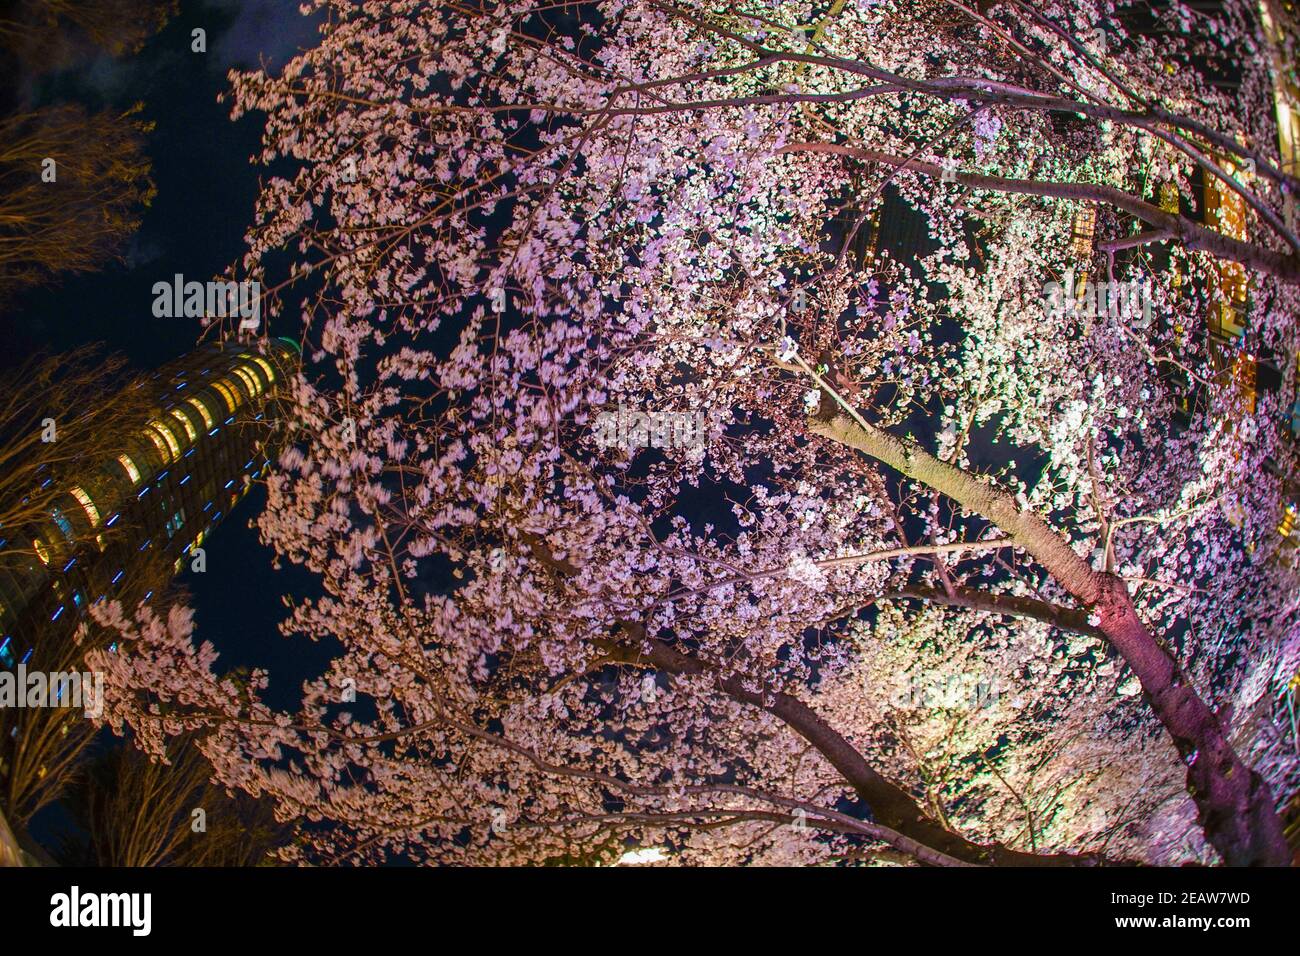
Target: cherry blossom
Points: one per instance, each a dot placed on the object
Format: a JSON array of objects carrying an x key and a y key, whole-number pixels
[{"x": 957, "y": 577}]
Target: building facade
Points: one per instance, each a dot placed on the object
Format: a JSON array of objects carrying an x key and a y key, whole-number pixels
[{"x": 125, "y": 524}]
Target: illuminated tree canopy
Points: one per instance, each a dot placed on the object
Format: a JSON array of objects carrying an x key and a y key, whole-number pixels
[{"x": 951, "y": 576}]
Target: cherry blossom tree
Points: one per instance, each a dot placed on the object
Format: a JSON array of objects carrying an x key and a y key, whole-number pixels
[{"x": 949, "y": 575}]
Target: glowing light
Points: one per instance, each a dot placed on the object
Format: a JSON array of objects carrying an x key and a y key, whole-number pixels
[
  {"x": 87, "y": 505},
  {"x": 1081, "y": 231},
  {"x": 642, "y": 855},
  {"x": 191, "y": 432},
  {"x": 266, "y": 367},
  {"x": 250, "y": 381},
  {"x": 228, "y": 394},
  {"x": 128, "y": 465},
  {"x": 202, "y": 410},
  {"x": 173, "y": 445},
  {"x": 163, "y": 440}
]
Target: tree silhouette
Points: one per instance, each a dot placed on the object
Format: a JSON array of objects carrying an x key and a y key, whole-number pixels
[
  {"x": 46, "y": 34},
  {"x": 73, "y": 185},
  {"x": 135, "y": 811}
]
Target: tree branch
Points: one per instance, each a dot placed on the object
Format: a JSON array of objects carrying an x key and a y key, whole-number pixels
[
  {"x": 1235, "y": 804},
  {"x": 1191, "y": 234}
]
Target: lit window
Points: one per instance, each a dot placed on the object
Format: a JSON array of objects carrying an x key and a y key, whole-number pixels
[
  {"x": 128, "y": 465},
  {"x": 265, "y": 366},
  {"x": 163, "y": 446},
  {"x": 1169, "y": 198},
  {"x": 169, "y": 437},
  {"x": 64, "y": 525},
  {"x": 1081, "y": 230},
  {"x": 228, "y": 394},
  {"x": 87, "y": 505},
  {"x": 203, "y": 411},
  {"x": 191, "y": 432},
  {"x": 250, "y": 381}
]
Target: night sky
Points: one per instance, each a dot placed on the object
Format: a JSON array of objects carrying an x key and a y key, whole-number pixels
[{"x": 206, "y": 190}]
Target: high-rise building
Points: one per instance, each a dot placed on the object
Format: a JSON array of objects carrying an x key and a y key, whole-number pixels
[{"x": 127, "y": 521}]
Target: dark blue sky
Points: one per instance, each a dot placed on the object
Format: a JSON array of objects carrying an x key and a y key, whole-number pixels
[{"x": 206, "y": 190}]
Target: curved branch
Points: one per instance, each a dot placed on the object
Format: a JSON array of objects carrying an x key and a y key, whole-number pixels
[
  {"x": 890, "y": 805},
  {"x": 1065, "y": 618},
  {"x": 1192, "y": 235}
]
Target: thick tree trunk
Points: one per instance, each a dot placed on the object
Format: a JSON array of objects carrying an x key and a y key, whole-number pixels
[{"x": 1234, "y": 803}]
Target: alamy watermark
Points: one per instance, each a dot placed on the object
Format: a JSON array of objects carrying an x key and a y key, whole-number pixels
[
  {"x": 957, "y": 692},
  {"x": 24, "y": 688},
  {"x": 1129, "y": 301},
  {"x": 630, "y": 429},
  {"x": 74, "y": 908},
  {"x": 215, "y": 299}
]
